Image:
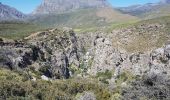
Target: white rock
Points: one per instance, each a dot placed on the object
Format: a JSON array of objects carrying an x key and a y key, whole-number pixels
[
  {"x": 43, "y": 77},
  {"x": 33, "y": 79}
]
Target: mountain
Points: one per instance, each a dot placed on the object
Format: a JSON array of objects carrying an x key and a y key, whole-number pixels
[
  {"x": 9, "y": 13},
  {"x": 165, "y": 1},
  {"x": 78, "y": 13},
  {"x": 60, "y": 6},
  {"x": 137, "y": 10},
  {"x": 83, "y": 18},
  {"x": 150, "y": 10}
]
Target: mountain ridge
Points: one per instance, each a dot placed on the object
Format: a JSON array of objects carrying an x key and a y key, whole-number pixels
[
  {"x": 60, "y": 6},
  {"x": 81, "y": 13},
  {"x": 8, "y": 13},
  {"x": 149, "y": 10}
]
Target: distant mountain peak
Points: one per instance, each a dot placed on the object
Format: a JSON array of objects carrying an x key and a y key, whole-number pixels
[
  {"x": 60, "y": 6},
  {"x": 149, "y": 10},
  {"x": 9, "y": 13},
  {"x": 165, "y": 1}
]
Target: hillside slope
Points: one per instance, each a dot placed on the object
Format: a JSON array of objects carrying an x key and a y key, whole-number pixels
[
  {"x": 18, "y": 29},
  {"x": 84, "y": 18},
  {"x": 144, "y": 35}
]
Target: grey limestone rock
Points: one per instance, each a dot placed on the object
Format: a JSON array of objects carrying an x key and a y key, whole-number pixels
[{"x": 60, "y": 6}]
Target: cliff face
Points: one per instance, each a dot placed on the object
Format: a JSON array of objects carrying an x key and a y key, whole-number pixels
[
  {"x": 9, "y": 13},
  {"x": 60, "y": 6},
  {"x": 48, "y": 52}
]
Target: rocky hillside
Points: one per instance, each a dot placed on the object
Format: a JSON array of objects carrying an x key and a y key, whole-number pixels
[
  {"x": 111, "y": 50},
  {"x": 130, "y": 62},
  {"x": 126, "y": 62},
  {"x": 60, "y": 6},
  {"x": 9, "y": 13}
]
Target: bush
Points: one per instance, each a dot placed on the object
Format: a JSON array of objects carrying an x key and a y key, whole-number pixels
[
  {"x": 124, "y": 77},
  {"x": 13, "y": 87},
  {"x": 103, "y": 76}
]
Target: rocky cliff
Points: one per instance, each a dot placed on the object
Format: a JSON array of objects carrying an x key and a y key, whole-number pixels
[
  {"x": 49, "y": 52},
  {"x": 60, "y": 6}
]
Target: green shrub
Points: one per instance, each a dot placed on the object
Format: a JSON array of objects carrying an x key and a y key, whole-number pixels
[
  {"x": 124, "y": 77},
  {"x": 103, "y": 76},
  {"x": 13, "y": 87}
]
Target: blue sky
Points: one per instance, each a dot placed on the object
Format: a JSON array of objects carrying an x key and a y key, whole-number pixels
[{"x": 27, "y": 6}]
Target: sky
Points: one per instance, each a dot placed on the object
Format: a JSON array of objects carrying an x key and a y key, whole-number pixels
[{"x": 27, "y": 6}]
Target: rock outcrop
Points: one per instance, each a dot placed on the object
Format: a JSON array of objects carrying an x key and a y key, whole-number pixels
[
  {"x": 50, "y": 52},
  {"x": 107, "y": 56},
  {"x": 59, "y": 49},
  {"x": 87, "y": 96}
]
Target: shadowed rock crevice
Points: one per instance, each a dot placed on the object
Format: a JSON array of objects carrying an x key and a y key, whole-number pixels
[{"x": 52, "y": 53}]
